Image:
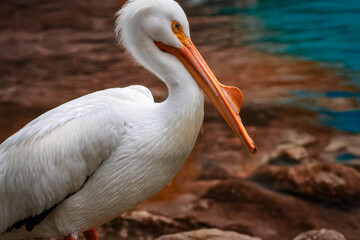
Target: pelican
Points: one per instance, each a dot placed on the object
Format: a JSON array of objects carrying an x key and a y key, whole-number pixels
[{"x": 87, "y": 161}]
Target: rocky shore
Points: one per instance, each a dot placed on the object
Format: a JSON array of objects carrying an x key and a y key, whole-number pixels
[{"x": 294, "y": 188}]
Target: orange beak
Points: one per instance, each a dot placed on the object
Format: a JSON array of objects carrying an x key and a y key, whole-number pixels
[{"x": 227, "y": 99}]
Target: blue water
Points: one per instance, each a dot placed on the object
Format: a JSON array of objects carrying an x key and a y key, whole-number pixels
[
  {"x": 322, "y": 30},
  {"x": 348, "y": 121},
  {"x": 327, "y": 31},
  {"x": 345, "y": 157}
]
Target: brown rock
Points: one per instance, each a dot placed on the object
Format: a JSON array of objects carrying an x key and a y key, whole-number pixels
[
  {"x": 244, "y": 206},
  {"x": 336, "y": 144},
  {"x": 297, "y": 152},
  {"x": 292, "y": 149},
  {"x": 298, "y": 138},
  {"x": 159, "y": 223},
  {"x": 212, "y": 171},
  {"x": 141, "y": 224},
  {"x": 210, "y": 234},
  {"x": 354, "y": 164},
  {"x": 348, "y": 144},
  {"x": 322, "y": 234},
  {"x": 148, "y": 218},
  {"x": 288, "y": 154},
  {"x": 327, "y": 182}
]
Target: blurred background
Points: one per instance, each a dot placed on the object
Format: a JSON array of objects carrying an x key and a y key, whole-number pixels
[{"x": 298, "y": 65}]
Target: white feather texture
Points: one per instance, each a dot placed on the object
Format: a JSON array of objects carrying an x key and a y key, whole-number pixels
[{"x": 128, "y": 146}]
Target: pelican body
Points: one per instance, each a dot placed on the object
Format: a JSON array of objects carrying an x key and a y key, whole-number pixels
[{"x": 87, "y": 161}]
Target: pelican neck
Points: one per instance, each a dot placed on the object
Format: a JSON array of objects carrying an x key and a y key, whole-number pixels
[{"x": 184, "y": 93}]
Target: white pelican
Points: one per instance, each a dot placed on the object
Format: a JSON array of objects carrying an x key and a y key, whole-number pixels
[{"x": 87, "y": 161}]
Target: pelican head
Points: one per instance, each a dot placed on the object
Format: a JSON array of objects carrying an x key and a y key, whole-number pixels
[{"x": 156, "y": 34}]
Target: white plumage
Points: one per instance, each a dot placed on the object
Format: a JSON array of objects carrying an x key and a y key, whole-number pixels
[{"x": 97, "y": 156}]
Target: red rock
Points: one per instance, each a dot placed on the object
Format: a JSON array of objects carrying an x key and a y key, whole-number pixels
[
  {"x": 328, "y": 182},
  {"x": 246, "y": 207},
  {"x": 287, "y": 154},
  {"x": 209, "y": 234},
  {"x": 347, "y": 143},
  {"x": 354, "y": 164},
  {"x": 322, "y": 234},
  {"x": 296, "y": 152},
  {"x": 139, "y": 224},
  {"x": 298, "y": 138}
]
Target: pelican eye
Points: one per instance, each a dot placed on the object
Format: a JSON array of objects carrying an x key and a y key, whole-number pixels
[
  {"x": 176, "y": 27},
  {"x": 178, "y": 31}
]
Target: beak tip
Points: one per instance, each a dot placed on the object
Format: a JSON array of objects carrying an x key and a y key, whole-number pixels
[{"x": 253, "y": 150}]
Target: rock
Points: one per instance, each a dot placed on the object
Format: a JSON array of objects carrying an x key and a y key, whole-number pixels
[
  {"x": 288, "y": 154},
  {"x": 354, "y": 164},
  {"x": 340, "y": 104},
  {"x": 296, "y": 152},
  {"x": 355, "y": 150},
  {"x": 322, "y": 234},
  {"x": 212, "y": 171},
  {"x": 335, "y": 144},
  {"x": 209, "y": 234},
  {"x": 161, "y": 223},
  {"x": 236, "y": 190},
  {"x": 298, "y": 138},
  {"x": 148, "y": 218},
  {"x": 292, "y": 149},
  {"x": 138, "y": 224},
  {"x": 328, "y": 182},
  {"x": 243, "y": 206},
  {"x": 350, "y": 144}
]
